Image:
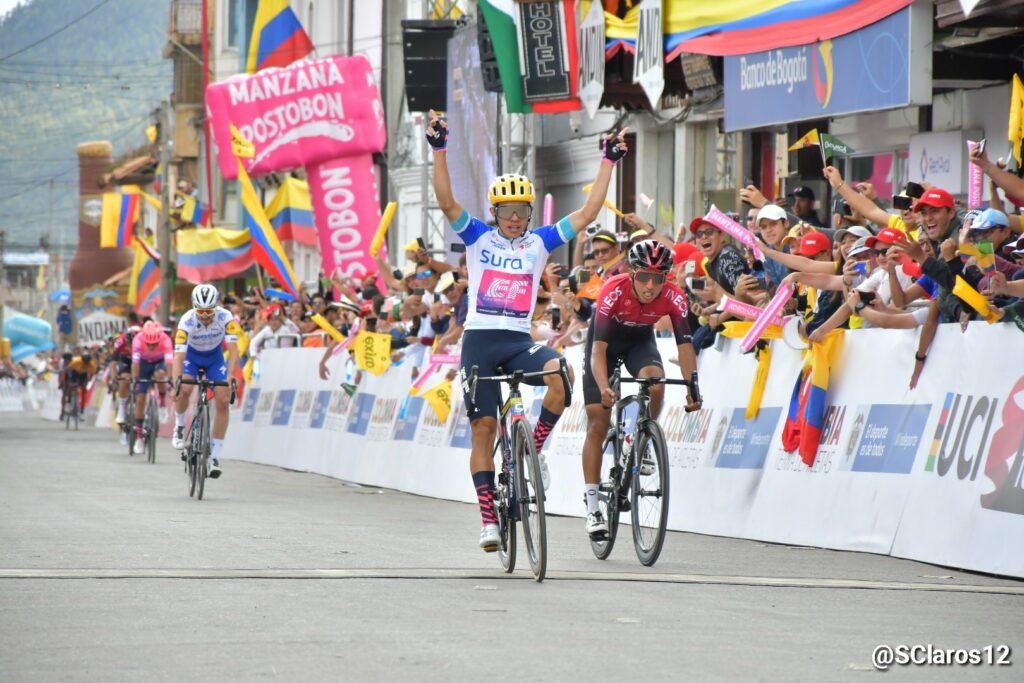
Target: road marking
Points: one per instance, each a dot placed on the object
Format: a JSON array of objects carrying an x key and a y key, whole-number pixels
[{"x": 482, "y": 574}]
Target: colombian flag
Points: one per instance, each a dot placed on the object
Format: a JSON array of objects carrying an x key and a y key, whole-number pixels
[
  {"x": 809, "y": 401},
  {"x": 192, "y": 210},
  {"x": 144, "y": 287},
  {"x": 291, "y": 212},
  {"x": 120, "y": 212},
  {"x": 278, "y": 38},
  {"x": 266, "y": 247},
  {"x": 212, "y": 253}
]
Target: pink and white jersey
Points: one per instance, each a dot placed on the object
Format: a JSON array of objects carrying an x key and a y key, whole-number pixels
[
  {"x": 162, "y": 353},
  {"x": 504, "y": 274}
]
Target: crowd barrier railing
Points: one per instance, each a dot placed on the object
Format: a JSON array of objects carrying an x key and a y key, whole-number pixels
[{"x": 933, "y": 474}]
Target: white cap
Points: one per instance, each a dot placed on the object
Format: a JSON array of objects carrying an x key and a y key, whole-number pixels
[{"x": 772, "y": 212}]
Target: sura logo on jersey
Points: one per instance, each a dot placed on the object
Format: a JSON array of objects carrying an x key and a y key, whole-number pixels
[
  {"x": 506, "y": 294},
  {"x": 489, "y": 258}
]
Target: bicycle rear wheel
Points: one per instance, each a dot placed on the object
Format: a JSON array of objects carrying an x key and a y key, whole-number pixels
[
  {"x": 191, "y": 448},
  {"x": 529, "y": 489},
  {"x": 152, "y": 429},
  {"x": 203, "y": 455},
  {"x": 649, "y": 494},
  {"x": 608, "y": 494}
]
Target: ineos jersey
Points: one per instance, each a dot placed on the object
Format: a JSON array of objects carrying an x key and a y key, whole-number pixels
[
  {"x": 193, "y": 334},
  {"x": 619, "y": 313},
  {"x": 504, "y": 274}
]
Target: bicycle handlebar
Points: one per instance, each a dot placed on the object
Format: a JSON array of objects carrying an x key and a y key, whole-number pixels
[
  {"x": 518, "y": 376},
  {"x": 206, "y": 384}
]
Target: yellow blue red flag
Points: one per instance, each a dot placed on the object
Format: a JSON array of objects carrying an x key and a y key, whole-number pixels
[
  {"x": 278, "y": 38},
  {"x": 120, "y": 212},
  {"x": 291, "y": 212},
  {"x": 144, "y": 286},
  {"x": 206, "y": 254}
]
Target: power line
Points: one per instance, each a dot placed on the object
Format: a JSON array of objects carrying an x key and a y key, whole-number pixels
[{"x": 51, "y": 35}]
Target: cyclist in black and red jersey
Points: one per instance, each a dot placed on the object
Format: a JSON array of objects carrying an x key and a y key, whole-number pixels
[
  {"x": 121, "y": 362},
  {"x": 622, "y": 332}
]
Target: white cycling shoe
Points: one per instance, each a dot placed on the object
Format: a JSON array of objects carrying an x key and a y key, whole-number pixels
[
  {"x": 489, "y": 539},
  {"x": 139, "y": 447},
  {"x": 545, "y": 475},
  {"x": 178, "y": 439},
  {"x": 121, "y": 417},
  {"x": 213, "y": 472},
  {"x": 596, "y": 524}
]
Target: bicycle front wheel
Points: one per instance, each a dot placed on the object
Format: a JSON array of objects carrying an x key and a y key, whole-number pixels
[
  {"x": 649, "y": 493},
  {"x": 608, "y": 495},
  {"x": 203, "y": 454},
  {"x": 152, "y": 430},
  {"x": 529, "y": 489}
]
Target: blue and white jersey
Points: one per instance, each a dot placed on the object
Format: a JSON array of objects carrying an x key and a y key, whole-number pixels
[
  {"x": 192, "y": 334},
  {"x": 504, "y": 274}
]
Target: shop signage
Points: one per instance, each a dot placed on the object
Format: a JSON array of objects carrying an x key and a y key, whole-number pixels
[
  {"x": 881, "y": 66},
  {"x": 649, "y": 64}
]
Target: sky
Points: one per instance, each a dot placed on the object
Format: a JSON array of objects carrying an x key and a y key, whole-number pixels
[{"x": 7, "y": 5}]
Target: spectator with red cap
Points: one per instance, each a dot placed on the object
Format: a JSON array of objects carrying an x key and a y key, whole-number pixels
[{"x": 279, "y": 332}]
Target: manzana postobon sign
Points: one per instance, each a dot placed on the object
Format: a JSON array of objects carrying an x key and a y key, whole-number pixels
[{"x": 878, "y": 67}]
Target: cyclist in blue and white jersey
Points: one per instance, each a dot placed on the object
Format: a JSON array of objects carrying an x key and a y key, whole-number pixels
[
  {"x": 198, "y": 345},
  {"x": 506, "y": 264}
]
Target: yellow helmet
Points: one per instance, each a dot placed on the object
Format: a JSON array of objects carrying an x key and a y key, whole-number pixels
[{"x": 510, "y": 187}]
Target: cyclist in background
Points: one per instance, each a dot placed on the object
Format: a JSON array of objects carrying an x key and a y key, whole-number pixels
[
  {"x": 197, "y": 346},
  {"x": 622, "y": 331},
  {"x": 152, "y": 350},
  {"x": 121, "y": 366},
  {"x": 506, "y": 265},
  {"x": 77, "y": 373}
]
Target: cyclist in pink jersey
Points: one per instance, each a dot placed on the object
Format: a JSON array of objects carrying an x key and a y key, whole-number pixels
[{"x": 152, "y": 350}]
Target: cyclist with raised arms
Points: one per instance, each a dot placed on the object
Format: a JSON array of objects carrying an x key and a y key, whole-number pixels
[
  {"x": 152, "y": 351},
  {"x": 198, "y": 342},
  {"x": 506, "y": 264},
  {"x": 622, "y": 332}
]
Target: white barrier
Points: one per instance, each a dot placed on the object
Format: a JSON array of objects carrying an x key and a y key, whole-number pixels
[{"x": 933, "y": 474}]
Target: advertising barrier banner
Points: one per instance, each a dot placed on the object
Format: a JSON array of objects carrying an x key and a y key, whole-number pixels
[{"x": 933, "y": 474}]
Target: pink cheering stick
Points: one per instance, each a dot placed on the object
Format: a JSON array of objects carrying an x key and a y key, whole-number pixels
[
  {"x": 769, "y": 314},
  {"x": 730, "y": 227},
  {"x": 348, "y": 340},
  {"x": 436, "y": 361},
  {"x": 549, "y": 209},
  {"x": 749, "y": 312},
  {"x": 974, "y": 179}
]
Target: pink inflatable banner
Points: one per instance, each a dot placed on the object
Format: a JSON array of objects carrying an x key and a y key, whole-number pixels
[
  {"x": 749, "y": 312},
  {"x": 346, "y": 211},
  {"x": 770, "y": 312},
  {"x": 306, "y": 113},
  {"x": 975, "y": 179},
  {"x": 730, "y": 227}
]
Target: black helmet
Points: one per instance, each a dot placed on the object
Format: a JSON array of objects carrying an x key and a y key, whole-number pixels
[{"x": 650, "y": 255}]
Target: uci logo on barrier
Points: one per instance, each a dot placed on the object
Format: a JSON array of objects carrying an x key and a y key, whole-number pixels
[{"x": 961, "y": 442}]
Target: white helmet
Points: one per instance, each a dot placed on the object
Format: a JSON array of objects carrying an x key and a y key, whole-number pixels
[{"x": 204, "y": 296}]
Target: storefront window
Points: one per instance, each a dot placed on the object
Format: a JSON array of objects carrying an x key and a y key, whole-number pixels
[
  {"x": 719, "y": 185},
  {"x": 887, "y": 172}
]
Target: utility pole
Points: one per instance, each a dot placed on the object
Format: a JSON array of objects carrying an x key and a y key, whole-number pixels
[
  {"x": 3, "y": 279},
  {"x": 163, "y": 228}
]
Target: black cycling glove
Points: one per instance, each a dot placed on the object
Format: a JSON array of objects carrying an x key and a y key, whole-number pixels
[
  {"x": 437, "y": 136},
  {"x": 611, "y": 151}
]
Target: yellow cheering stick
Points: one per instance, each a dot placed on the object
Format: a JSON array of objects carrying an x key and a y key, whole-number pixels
[
  {"x": 975, "y": 300},
  {"x": 328, "y": 328},
  {"x": 382, "y": 228},
  {"x": 607, "y": 202}
]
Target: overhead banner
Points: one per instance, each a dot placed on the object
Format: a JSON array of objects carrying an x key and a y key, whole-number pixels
[
  {"x": 303, "y": 114},
  {"x": 881, "y": 66},
  {"x": 649, "y": 61},
  {"x": 592, "y": 59}
]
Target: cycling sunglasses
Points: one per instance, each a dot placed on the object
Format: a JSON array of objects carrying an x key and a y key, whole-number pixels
[
  {"x": 424, "y": 275},
  {"x": 643, "y": 277},
  {"x": 206, "y": 311},
  {"x": 506, "y": 211}
]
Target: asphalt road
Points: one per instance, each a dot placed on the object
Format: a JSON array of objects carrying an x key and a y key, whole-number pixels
[{"x": 109, "y": 571}]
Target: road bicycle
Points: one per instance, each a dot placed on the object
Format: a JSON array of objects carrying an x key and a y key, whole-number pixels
[
  {"x": 197, "y": 441},
  {"x": 638, "y": 479},
  {"x": 72, "y": 402},
  {"x": 151, "y": 418},
  {"x": 519, "y": 486}
]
